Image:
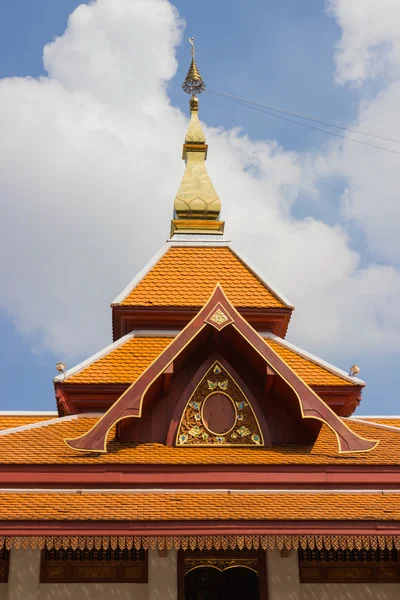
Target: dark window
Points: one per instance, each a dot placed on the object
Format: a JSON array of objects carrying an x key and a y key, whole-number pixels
[
  {"x": 349, "y": 566},
  {"x": 94, "y": 566},
  {"x": 4, "y": 565}
]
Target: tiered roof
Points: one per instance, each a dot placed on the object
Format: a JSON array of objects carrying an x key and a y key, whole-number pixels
[
  {"x": 198, "y": 299},
  {"x": 126, "y": 361},
  {"x": 186, "y": 276},
  {"x": 42, "y": 442}
]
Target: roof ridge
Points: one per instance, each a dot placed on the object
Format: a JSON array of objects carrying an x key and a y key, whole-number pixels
[
  {"x": 315, "y": 359},
  {"x": 27, "y": 413},
  {"x": 88, "y": 361},
  {"x": 270, "y": 287},
  {"x": 29, "y": 426},
  {"x": 141, "y": 275},
  {"x": 373, "y": 424}
]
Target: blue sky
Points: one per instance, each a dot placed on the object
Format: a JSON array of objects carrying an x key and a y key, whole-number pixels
[{"x": 279, "y": 52}]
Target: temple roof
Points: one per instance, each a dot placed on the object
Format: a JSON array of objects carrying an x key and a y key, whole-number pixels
[
  {"x": 44, "y": 444},
  {"x": 175, "y": 506},
  {"x": 186, "y": 275},
  {"x": 125, "y": 360}
]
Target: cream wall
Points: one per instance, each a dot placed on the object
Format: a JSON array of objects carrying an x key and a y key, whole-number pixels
[
  {"x": 284, "y": 584},
  {"x": 163, "y": 576},
  {"x": 23, "y": 579},
  {"x": 93, "y": 591},
  {"x": 24, "y": 583}
]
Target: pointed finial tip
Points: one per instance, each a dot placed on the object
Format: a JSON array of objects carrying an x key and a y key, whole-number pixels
[{"x": 193, "y": 83}]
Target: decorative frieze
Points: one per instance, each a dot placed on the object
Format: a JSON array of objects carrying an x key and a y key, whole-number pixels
[{"x": 205, "y": 542}]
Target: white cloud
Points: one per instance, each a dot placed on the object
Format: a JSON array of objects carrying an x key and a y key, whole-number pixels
[
  {"x": 89, "y": 166},
  {"x": 370, "y": 43},
  {"x": 369, "y": 51}
]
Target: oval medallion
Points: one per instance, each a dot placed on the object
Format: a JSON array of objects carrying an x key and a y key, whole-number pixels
[{"x": 219, "y": 413}]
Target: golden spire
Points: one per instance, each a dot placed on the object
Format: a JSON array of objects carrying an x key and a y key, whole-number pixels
[
  {"x": 197, "y": 205},
  {"x": 193, "y": 83}
]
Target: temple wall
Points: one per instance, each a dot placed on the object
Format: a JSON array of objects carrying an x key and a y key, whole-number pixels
[
  {"x": 284, "y": 584},
  {"x": 163, "y": 576},
  {"x": 24, "y": 576},
  {"x": 23, "y": 579},
  {"x": 283, "y": 576}
]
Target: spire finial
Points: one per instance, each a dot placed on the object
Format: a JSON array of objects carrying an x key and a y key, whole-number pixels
[
  {"x": 193, "y": 83},
  {"x": 197, "y": 205}
]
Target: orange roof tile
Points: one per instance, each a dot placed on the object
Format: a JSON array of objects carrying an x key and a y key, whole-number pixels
[
  {"x": 8, "y": 421},
  {"x": 186, "y": 276},
  {"x": 310, "y": 372},
  {"x": 123, "y": 364},
  {"x": 45, "y": 445},
  {"x": 127, "y": 362},
  {"x": 199, "y": 506}
]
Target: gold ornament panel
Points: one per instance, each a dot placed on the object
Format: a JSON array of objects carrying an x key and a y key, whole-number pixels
[
  {"x": 221, "y": 564},
  {"x": 206, "y": 542},
  {"x": 193, "y": 429}
]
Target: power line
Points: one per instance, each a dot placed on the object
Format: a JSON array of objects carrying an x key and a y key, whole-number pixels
[
  {"x": 257, "y": 107},
  {"x": 308, "y": 117}
]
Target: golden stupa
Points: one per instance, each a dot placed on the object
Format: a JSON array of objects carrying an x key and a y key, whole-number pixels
[{"x": 197, "y": 205}]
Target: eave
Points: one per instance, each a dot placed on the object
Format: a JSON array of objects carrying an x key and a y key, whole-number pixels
[
  {"x": 128, "y": 318},
  {"x": 240, "y": 477},
  {"x": 81, "y": 398},
  {"x": 212, "y": 528}
]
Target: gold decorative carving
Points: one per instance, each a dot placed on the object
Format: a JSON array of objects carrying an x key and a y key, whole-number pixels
[
  {"x": 220, "y": 563},
  {"x": 56, "y": 572},
  {"x": 94, "y": 572},
  {"x": 219, "y": 317},
  {"x": 388, "y": 573},
  {"x": 349, "y": 573},
  {"x": 389, "y": 544},
  {"x": 193, "y": 430}
]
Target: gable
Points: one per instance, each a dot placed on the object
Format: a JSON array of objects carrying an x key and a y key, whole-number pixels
[{"x": 218, "y": 321}]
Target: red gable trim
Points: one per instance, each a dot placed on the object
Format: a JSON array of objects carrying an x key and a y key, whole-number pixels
[{"x": 219, "y": 312}]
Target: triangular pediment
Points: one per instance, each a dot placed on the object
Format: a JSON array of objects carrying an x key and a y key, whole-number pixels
[
  {"x": 234, "y": 334},
  {"x": 219, "y": 412}
]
